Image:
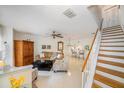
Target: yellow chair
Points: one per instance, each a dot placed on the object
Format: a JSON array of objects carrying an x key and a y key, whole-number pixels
[{"x": 17, "y": 83}]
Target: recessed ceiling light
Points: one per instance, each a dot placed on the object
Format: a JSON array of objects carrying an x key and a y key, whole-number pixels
[{"x": 69, "y": 13}]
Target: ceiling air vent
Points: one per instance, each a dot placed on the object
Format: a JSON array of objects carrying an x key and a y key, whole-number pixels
[{"x": 69, "y": 13}]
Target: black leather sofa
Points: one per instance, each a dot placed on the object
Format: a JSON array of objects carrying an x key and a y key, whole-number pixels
[{"x": 43, "y": 66}]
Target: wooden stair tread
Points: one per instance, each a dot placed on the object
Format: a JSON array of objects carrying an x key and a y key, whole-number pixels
[
  {"x": 113, "y": 38},
  {"x": 112, "y": 50},
  {"x": 112, "y": 72},
  {"x": 108, "y": 81},
  {"x": 113, "y": 42},
  {"x": 104, "y": 33},
  {"x": 112, "y": 27},
  {"x": 94, "y": 85},
  {"x": 111, "y": 30},
  {"x": 113, "y": 35},
  {"x": 111, "y": 46},
  {"x": 111, "y": 63},
  {"x": 111, "y": 56}
]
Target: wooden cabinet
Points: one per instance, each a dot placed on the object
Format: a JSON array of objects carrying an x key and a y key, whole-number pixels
[{"x": 24, "y": 52}]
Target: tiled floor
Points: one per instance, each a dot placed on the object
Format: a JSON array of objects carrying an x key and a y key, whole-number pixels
[{"x": 71, "y": 79}]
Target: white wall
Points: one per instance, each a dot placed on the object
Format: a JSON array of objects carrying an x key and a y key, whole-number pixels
[
  {"x": 122, "y": 15},
  {"x": 7, "y": 36},
  {"x": 39, "y": 41},
  {"x": 96, "y": 13}
]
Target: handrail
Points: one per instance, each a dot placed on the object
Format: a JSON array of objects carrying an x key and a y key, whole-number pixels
[
  {"x": 111, "y": 7},
  {"x": 85, "y": 62}
]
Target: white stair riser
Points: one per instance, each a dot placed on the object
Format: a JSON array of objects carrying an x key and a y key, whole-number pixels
[
  {"x": 116, "y": 44},
  {"x": 112, "y": 53},
  {"x": 111, "y": 67},
  {"x": 108, "y": 30},
  {"x": 111, "y": 31},
  {"x": 110, "y": 76},
  {"x": 121, "y": 36},
  {"x": 112, "y": 28},
  {"x": 107, "y": 34},
  {"x": 101, "y": 84},
  {"x": 112, "y": 40},
  {"x": 112, "y": 48},
  {"x": 111, "y": 59}
]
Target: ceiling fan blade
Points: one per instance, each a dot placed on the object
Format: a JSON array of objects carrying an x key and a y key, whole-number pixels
[{"x": 59, "y": 36}]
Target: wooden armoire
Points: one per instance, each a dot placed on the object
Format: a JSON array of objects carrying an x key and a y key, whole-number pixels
[{"x": 24, "y": 52}]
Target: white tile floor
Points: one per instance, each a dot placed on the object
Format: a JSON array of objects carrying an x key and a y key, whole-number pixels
[{"x": 71, "y": 79}]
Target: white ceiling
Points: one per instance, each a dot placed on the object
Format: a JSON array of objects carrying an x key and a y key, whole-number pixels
[{"x": 46, "y": 18}]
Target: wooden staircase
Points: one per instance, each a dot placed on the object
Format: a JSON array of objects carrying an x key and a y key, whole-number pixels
[{"x": 110, "y": 64}]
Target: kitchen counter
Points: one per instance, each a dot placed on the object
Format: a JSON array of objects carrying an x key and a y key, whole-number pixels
[
  {"x": 16, "y": 72},
  {"x": 14, "y": 69}
]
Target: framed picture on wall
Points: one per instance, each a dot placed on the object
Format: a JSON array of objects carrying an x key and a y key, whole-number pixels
[
  {"x": 48, "y": 46},
  {"x": 60, "y": 46},
  {"x": 43, "y": 46}
]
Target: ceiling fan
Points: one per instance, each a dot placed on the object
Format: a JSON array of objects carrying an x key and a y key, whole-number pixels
[{"x": 56, "y": 34}]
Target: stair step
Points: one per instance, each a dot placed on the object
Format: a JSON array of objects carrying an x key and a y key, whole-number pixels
[
  {"x": 112, "y": 67},
  {"x": 112, "y": 53},
  {"x": 121, "y": 34},
  {"x": 113, "y": 72},
  {"x": 111, "y": 56},
  {"x": 108, "y": 81},
  {"x": 113, "y": 48},
  {"x": 111, "y": 30},
  {"x": 116, "y": 42},
  {"x": 114, "y": 32},
  {"x": 111, "y": 63},
  {"x": 114, "y": 60},
  {"x": 94, "y": 85},
  {"x": 100, "y": 84},
  {"x": 112, "y": 44},
  {"x": 112, "y": 27},
  {"x": 108, "y": 37},
  {"x": 112, "y": 38},
  {"x": 113, "y": 77}
]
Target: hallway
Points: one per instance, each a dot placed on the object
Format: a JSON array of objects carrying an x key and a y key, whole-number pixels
[{"x": 72, "y": 79}]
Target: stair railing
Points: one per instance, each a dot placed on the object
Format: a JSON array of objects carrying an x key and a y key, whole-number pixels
[{"x": 89, "y": 64}]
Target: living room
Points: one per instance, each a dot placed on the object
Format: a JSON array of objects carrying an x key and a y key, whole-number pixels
[{"x": 61, "y": 39}]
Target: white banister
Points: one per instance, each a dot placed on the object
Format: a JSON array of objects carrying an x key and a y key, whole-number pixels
[{"x": 89, "y": 71}]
